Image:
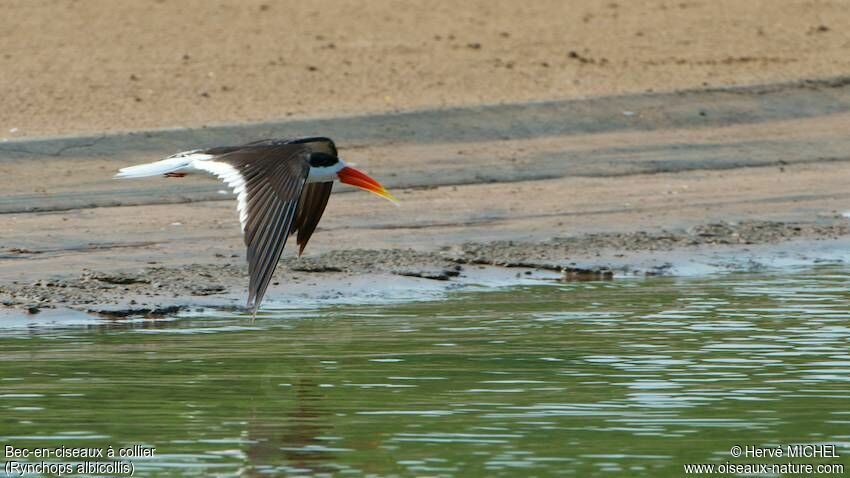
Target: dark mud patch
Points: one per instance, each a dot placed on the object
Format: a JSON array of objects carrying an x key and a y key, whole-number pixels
[
  {"x": 157, "y": 291},
  {"x": 154, "y": 312},
  {"x": 438, "y": 274}
]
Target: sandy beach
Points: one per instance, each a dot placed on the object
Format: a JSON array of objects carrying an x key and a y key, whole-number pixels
[
  {"x": 556, "y": 140},
  {"x": 71, "y": 67}
]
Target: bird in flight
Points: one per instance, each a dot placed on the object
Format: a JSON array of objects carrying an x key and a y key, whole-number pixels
[{"x": 282, "y": 187}]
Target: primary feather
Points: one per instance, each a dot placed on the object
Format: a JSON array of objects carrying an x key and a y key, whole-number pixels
[{"x": 274, "y": 197}]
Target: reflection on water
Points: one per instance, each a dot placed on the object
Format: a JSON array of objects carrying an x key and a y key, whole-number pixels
[{"x": 591, "y": 378}]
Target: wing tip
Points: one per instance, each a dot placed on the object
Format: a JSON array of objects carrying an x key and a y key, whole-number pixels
[{"x": 253, "y": 306}]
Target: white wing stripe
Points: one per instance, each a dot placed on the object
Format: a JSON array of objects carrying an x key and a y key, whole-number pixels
[{"x": 233, "y": 178}]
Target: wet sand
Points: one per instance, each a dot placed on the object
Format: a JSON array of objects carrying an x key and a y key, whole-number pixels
[
  {"x": 580, "y": 189},
  {"x": 360, "y": 275}
]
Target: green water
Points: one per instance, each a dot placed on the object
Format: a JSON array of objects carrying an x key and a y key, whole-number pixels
[{"x": 619, "y": 378}]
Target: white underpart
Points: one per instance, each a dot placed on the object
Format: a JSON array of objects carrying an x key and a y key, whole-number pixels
[
  {"x": 232, "y": 178},
  {"x": 325, "y": 174},
  {"x": 171, "y": 164}
]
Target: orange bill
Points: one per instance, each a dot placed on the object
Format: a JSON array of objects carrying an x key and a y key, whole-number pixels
[{"x": 357, "y": 178}]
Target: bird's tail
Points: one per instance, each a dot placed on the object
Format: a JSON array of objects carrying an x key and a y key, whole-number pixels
[{"x": 158, "y": 168}]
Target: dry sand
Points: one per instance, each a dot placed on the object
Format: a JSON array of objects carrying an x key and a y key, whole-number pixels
[{"x": 69, "y": 67}]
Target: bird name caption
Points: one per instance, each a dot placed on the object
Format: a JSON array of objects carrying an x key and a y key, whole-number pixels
[{"x": 84, "y": 460}]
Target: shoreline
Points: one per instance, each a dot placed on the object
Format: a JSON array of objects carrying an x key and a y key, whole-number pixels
[
  {"x": 348, "y": 276},
  {"x": 687, "y": 178}
]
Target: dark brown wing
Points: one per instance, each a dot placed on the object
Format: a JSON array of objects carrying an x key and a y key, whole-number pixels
[
  {"x": 268, "y": 180},
  {"x": 319, "y": 144},
  {"x": 315, "y": 196},
  {"x": 312, "y": 205}
]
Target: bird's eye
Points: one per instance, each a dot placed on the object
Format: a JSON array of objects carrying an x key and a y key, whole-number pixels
[{"x": 321, "y": 160}]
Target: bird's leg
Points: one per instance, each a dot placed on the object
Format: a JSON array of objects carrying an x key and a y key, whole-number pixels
[{"x": 174, "y": 175}]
